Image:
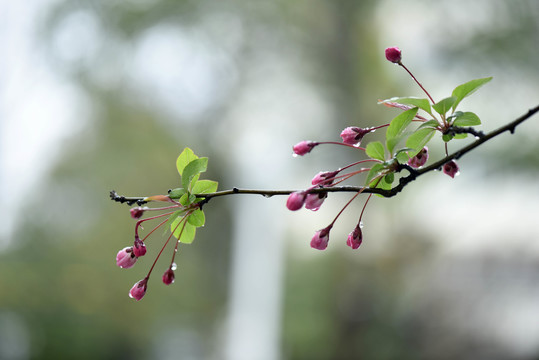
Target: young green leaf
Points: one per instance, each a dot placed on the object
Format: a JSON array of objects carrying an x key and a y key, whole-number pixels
[
  {"x": 176, "y": 193},
  {"x": 184, "y": 199},
  {"x": 184, "y": 232},
  {"x": 433, "y": 124},
  {"x": 193, "y": 169},
  {"x": 466, "y": 89},
  {"x": 373, "y": 172},
  {"x": 423, "y": 104},
  {"x": 443, "y": 106},
  {"x": 204, "y": 187},
  {"x": 172, "y": 218},
  {"x": 401, "y": 155},
  {"x": 197, "y": 218},
  {"x": 382, "y": 183},
  {"x": 186, "y": 156},
  {"x": 375, "y": 150},
  {"x": 447, "y": 137},
  {"x": 419, "y": 139},
  {"x": 467, "y": 118},
  {"x": 397, "y": 126}
]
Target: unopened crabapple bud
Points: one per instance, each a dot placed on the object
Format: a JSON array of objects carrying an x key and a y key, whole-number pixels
[
  {"x": 139, "y": 249},
  {"x": 295, "y": 200},
  {"x": 126, "y": 258},
  {"x": 324, "y": 178},
  {"x": 355, "y": 238},
  {"x": 420, "y": 159},
  {"x": 353, "y": 135},
  {"x": 136, "y": 213},
  {"x": 138, "y": 290},
  {"x": 321, "y": 238},
  {"x": 168, "y": 276},
  {"x": 314, "y": 201},
  {"x": 451, "y": 168},
  {"x": 394, "y": 54},
  {"x": 304, "y": 147}
]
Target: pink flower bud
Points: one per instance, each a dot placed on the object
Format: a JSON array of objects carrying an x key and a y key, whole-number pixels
[
  {"x": 352, "y": 135},
  {"x": 138, "y": 290},
  {"x": 451, "y": 168},
  {"x": 136, "y": 213},
  {"x": 314, "y": 201},
  {"x": 324, "y": 178},
  {"x": 295, "y": 200},
  {"x": 394, "y": 55},
  {"x": 126, "y": 258},
  {"x": 420, "y": 159},
  {"x": 355, "y": 238},
  {"x": 139, "y": 249},
  {"x": 168, "y": 277},
  {"x": 321, "y": 238},
  {"x": 304, "y": 147}
]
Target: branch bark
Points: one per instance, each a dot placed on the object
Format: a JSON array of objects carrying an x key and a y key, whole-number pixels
[{"x": 403, "y": 181}]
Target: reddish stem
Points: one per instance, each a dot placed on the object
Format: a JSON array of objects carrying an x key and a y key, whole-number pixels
[
  {"x": 184, "y": 221},
  {"x": 342, "y": 144},
  {"x": 150, "y": 218},
  {"x": 418, "y": 83}
]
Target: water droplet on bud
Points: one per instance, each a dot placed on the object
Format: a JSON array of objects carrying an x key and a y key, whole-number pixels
[{"x": 173, "y": 266}]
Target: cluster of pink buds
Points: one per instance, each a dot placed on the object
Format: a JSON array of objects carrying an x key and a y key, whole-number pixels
[
  {"x": 128, "y": 256},
  {"x": 313, "y": 197}
]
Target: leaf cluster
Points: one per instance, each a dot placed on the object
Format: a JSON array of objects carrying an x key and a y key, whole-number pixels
[
  {"x": 403, "y": 143},
  {"x": 183, "y": 222}
]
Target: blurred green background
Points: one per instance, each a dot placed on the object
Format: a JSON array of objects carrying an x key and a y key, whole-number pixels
[{"x": 102, "y": 95}]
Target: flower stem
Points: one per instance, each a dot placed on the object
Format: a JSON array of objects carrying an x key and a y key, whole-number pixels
[{"x": 418, "y": 83}]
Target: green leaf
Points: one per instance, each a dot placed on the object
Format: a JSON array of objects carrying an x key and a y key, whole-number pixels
[
  {"x": 433, "y": 124},
  {"x": 184, "y": 232},
  {"x": 184, "y": 199},
  {"x": 389, "y": 178},
  {"x": 447, "y": 137},
  {"x": 188, "y": 234},
  {"x": 419, "y": 139},
  {"x": 192, "y": 170},
  {"x": 197, "y": 218},
  {"x": 174, "y": 217},
  {"x": 185, "y": 158},
  {"x": 373, "y": 172},
  {"x": 176, "y": 193},
  {"x": 204, "y": 187},
  {"x": 466, "y": 89},
  {"x": 443, "y": 106},
  {"x": 467, "y": 118},
  {"x": 423, "y": 104},
  {"x": 397, "y": 127},
  {"x": 460, "y": 136},
  {"x": 383, "y": 183},
  {"x": 375, "y": 150},
  {"x": 402, "y": 157}
]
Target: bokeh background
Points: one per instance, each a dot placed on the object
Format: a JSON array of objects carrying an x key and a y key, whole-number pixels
[{"x": 102, "y": 95}]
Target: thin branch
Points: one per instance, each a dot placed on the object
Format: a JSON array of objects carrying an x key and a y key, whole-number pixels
[
  {"x": 453, "y": 130},
  {"x": 403, "y": 181}
]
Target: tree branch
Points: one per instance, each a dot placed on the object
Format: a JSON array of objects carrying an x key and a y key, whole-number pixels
[{"x": 403, "y": 181}]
